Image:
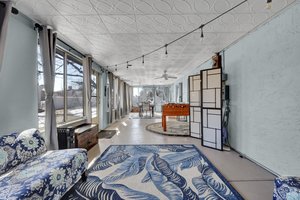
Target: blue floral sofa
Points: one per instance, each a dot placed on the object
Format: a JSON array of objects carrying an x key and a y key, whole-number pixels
[{"x": 29, "y": 171}]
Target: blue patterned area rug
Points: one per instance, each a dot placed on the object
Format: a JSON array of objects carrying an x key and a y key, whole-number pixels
[{"x": 153, "y": 172}]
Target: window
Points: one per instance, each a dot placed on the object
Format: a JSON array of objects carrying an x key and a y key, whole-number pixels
[
  {"x": 74, "y": 88},
  {"x": 40, "y": 90},
  {"x": 94, "y": 94},
  {"x": 68, "y": 88},
  {"x": 59, "y": 89}
]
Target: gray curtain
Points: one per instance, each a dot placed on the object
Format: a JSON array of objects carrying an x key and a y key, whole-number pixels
[
  {"x": 124, "y": 99},
  {"x": 5, "y": 10},
  {"x": 87, "y": 66},
  {"x": 48, "y": 43},
  {"x": 119, "y": 95},
  {"x": 130, "y": 97}
]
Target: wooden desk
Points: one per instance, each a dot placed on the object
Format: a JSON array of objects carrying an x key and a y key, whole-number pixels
[{"x": 173, "y": 109}]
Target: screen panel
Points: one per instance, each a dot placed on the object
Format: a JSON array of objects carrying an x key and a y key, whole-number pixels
[
  {"x": 211, "y": 103},
  {"x": 195, "y": 90},
  {"x": 195, "y": 105},
  {"x": 195, "y": 122}
]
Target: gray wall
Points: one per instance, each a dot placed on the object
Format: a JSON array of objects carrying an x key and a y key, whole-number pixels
[
  {"x": 264, "y": 72},
  {"x": 18, "y": 78},
  {"x": 264, "y": 78}
]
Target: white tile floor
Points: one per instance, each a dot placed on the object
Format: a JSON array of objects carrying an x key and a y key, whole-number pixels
[{"x": 249, "y": 179}]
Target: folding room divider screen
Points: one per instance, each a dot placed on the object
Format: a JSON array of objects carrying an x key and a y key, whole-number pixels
[
  {"x": 195, "y": 105},
  {"x": 211, "y": 103},
  {"x": 205, "y": 97}
]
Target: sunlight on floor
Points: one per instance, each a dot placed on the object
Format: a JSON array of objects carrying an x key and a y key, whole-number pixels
[{"x": 118, "y": 131}]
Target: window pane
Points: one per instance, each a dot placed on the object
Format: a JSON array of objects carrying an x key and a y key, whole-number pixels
[
  {"x": 94, "y": 95},
  {"x": 59, "y": 86},
  {"x": 41, "y": 90},
  {"x": 74, "y": 89}
]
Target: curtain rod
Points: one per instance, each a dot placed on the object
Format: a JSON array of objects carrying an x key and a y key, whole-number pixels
[
  {"x": 71, "y": 47},
  {"x": 13, "y": 9}
]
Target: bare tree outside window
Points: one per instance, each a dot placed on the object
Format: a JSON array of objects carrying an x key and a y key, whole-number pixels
[
  {"x": 94, "y": 95},
  {"x": 74, "y": 89},
  {"x": 68, "y": 88}
]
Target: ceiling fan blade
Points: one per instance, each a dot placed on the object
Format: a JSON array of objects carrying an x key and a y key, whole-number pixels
[{"x": 174, "y": 77}]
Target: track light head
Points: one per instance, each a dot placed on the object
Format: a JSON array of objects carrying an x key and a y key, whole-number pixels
[
  {"x": 143, "y": 59},
  {"x": 166, "y": 50},
  {"x": 201, "y": 29},
  {"x": 128, "y": 65}
]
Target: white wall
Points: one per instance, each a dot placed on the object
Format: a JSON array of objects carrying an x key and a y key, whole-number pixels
[
  {"x": 264, "y": 72},
  {"x": 18, "y": 78}
]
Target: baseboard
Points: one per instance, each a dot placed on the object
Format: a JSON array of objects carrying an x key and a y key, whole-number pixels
[{"x": 254, "y": 161}]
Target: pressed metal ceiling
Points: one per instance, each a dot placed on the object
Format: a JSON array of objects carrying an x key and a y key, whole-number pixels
[{"x": 114, "y": 31}]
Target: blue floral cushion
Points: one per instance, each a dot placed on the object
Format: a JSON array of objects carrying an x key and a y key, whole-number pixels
[
  {"x": 287, "y": 188},
  {"x": 8, "y": 154},
  {"x": 46, "y": 176},
  {"x": 29, "y": 144}
]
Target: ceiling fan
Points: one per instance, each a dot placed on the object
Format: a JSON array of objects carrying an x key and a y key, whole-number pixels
[{"x": 166, "y": 76}]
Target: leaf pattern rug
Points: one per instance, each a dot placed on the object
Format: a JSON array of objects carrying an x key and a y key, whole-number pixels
[{"x": 153, "y": 172}]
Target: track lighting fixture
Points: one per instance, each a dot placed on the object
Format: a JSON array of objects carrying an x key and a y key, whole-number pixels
[
  {"x": 128, "y": 65},
  {"x": 269, "y": 4},
  {"x": 116, "y": 69},
  {"x": 186, "y": 34}
]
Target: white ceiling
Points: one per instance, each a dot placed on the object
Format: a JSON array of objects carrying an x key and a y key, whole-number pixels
[{"x": 114, "y": 31}]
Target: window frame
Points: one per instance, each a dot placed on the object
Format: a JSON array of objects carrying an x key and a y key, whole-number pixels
[
  {"x": 67, "y": 53},
  {"x": 96, "y": 74}
]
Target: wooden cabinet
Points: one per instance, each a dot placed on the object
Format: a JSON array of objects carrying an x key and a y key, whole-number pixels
[{"x": 86, "y": 136}]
